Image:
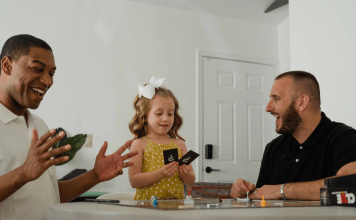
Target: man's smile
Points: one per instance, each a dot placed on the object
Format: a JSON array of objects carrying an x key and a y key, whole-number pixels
[
  {"x": 38, "y": 91},
  {"x": 41, "y": 92},
  {"x": 277, "y": 116}
]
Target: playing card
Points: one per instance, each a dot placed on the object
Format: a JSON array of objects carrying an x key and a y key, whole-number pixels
[
  {"x": 188, "y": 158},
  {"x": 170, "y": 155}
]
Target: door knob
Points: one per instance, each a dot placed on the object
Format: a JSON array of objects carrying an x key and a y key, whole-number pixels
[{"x": 209, "y": 169}]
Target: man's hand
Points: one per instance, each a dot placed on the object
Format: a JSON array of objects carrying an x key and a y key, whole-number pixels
[
  {"x": 39, "y": 157},
  {"x": 108, "y": 167},
  {"x": 271, "y": 192},
  {"x": 240, "y": 188}
]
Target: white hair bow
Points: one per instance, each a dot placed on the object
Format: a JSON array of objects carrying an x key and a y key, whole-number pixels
[{"x": 148, "y": 90}]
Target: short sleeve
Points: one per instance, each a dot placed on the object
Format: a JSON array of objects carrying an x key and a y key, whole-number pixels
[{"x": 344, "y": 150}]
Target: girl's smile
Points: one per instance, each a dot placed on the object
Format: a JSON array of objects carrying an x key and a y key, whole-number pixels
[{"x": 164, "y": 126}]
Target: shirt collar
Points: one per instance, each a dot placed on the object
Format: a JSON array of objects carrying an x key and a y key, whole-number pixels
[
  {"x": 318, "y": 132},
  {"x": 6, "y": 115}
]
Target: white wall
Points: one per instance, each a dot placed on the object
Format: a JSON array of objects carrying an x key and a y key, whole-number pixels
[
  {"x": 284, "y": 46},
  {"x": 322, "y": 39},
  {"x": 104, "y": 48}
]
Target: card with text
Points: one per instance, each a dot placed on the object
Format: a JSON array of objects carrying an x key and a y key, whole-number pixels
[
  {"x": 170, "y": 155},
  {"x": 188, "y": 158}
]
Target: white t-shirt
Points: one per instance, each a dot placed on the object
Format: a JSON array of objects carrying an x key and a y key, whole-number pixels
[{"x": 32, "y": 199}]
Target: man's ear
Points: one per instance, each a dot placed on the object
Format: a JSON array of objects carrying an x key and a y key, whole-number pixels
[
  {"x": 303, "y": 102},
  {"x": 6, "y": 65}
]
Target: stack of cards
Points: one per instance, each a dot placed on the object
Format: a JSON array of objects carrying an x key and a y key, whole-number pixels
[{"x": 172, "y": 155}]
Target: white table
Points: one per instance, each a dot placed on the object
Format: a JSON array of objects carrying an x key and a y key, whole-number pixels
[{"x": 94, "y": 211}]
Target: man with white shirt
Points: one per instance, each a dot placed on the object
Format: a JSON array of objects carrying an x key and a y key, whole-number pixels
[{"x": 28, "y": 179}]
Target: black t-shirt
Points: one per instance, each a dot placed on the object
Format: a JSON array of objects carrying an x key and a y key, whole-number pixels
[{"x": 331, "y": 146}]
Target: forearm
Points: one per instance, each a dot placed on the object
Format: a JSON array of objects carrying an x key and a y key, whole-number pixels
[
  {"x": 188, "y": 178},
  {"x": 71, "y": 189},
  {"x": 11, "y": 182},
  {"x": 304, "y": 190},
  {"x": 140, "y": 180}
]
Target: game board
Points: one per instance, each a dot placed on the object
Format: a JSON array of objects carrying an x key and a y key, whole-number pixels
[{"x": 186, "y": 204}]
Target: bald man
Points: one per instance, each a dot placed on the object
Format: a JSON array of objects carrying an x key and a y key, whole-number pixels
[{"x": 310, "y": 148}]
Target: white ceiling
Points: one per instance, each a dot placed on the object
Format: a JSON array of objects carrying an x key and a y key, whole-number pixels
[{"x": 249, "y": 10}]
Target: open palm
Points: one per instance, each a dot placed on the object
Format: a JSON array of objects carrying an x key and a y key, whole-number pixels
[{"x": 108, "y": 167}]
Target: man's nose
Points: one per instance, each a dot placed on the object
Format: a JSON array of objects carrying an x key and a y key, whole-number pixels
[
  {"x": 47, "y": 80},
  {"x": 269, "y": 106}
]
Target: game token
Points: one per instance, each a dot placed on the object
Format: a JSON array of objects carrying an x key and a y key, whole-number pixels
[
  {"x": 263, "y": 202},
  {"x": 154, "y": 201}
]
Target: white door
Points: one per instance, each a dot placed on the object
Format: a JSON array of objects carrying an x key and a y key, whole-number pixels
[{"x": 235, "y": 95}]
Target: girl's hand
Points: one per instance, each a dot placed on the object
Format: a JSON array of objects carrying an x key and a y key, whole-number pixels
[
  {"x": 184, "y": 169},
  {"x": 170, "y": 169}
]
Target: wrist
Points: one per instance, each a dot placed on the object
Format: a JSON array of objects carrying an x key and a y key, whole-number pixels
[
  {"x": 162, "y": 173},
  {"x": 23, "y": 176},
  {"x": 95, "y": 177},
  {"x": 283, "y": 196}
]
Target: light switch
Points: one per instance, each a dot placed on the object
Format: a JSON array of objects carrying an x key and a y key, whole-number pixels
[{"x": 88, "y": 141}]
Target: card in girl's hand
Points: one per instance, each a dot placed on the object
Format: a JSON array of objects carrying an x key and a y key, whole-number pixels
[
  {"x": 170, "y": 155},
  {"x": 188, "y": 158}
]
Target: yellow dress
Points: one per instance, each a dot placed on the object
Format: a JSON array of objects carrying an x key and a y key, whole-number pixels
[{"x": 168, "y": 187}]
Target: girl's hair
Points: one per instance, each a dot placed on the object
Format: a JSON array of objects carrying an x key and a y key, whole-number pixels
[{"x": 138, "y": 125}]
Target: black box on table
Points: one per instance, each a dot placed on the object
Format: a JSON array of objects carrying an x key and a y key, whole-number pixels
[{"x": 340, "y": 191}]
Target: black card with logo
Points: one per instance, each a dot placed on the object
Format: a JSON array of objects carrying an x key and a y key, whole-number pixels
[
  {"x": 170, "y": 155},
  {"x": 188, "y": 158}
]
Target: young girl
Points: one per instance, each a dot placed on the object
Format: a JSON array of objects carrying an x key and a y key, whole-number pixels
[{"x": 155, "y": 128}]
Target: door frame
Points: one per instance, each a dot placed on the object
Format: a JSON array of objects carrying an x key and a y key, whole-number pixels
[{"x": 200, "y": 54}]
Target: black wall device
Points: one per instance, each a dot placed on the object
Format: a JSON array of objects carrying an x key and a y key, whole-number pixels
[{"x": 208, "y": 151}]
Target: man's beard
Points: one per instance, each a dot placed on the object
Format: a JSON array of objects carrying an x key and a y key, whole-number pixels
[{"x": 291, "y": 120}]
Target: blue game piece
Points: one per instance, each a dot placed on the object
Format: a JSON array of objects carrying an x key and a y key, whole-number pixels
[{"x": 154, "y": 201}]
